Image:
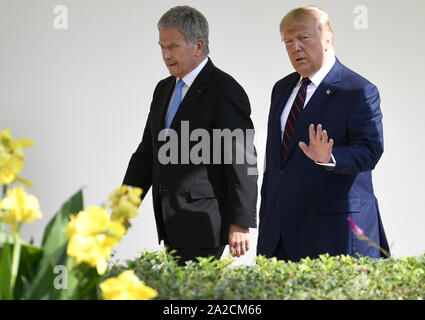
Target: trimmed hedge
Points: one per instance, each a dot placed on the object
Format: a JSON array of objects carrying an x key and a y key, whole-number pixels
[{"x": 340, "y": 277}]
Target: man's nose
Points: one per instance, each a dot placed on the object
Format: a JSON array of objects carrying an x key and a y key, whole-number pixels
[
  {"x": 297, "y": 46},
  {"x": 166, "y": 54}
]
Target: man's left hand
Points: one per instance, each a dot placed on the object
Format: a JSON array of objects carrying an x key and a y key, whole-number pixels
[
  {"x": 238, "y": 240},
  {"x": 319, "y": 148}
]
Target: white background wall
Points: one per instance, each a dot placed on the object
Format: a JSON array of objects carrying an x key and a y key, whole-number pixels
[{"x": 83, "y": 94}]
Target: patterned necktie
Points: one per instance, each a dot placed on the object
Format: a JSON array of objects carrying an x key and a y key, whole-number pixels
[
  {"x": 177, "y": 97},
  {"x": 294, "y": 114}
]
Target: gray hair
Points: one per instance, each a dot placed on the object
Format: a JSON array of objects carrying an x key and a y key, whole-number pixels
[{"x": 191, "y": 23}]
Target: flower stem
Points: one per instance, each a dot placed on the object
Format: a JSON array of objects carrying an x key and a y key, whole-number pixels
[
  {"x": 4, "y": 190},
  {"x": 2, "y": 197},
  {"x": 15, "y": 262},
  {"x": 385, "y": 252}
]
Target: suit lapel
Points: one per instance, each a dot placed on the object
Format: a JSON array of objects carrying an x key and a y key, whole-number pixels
[
  {"x": 193, "y": 94},
  {"x": 277, "y": 108},
  {"x": 319, "y": 99},
  {"x": 163, "y": 104}
]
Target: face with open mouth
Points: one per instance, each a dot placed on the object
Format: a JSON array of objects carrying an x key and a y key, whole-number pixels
[{"x": 306, "y": 46}]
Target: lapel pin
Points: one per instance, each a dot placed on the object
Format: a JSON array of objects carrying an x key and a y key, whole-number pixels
[{"x": 328, "y": 91}]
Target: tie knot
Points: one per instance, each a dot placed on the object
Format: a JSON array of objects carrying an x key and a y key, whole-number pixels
[
  {"x": 306, "y": 81},
  {"x": 180, "y": 84}
]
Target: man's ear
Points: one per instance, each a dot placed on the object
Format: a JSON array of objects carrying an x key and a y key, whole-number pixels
[
  {"x": 328, "y": 41},
  {"x": 199, "y": 47}
]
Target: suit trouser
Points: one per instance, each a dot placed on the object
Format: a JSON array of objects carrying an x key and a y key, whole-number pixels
[
  {"x": 280, "y": 251},
  {"x": 187, "y": 254}
]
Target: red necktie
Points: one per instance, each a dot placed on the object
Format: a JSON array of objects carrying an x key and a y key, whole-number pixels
[{"x": 294, "y": 115}]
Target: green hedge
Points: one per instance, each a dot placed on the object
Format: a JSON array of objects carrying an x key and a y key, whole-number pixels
[{"x": 341, "y": 277}]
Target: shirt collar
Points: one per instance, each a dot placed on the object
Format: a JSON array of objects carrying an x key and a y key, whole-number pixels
[
  {"x": 191, "y": 76},
  {"x": 318, "y": 77}
]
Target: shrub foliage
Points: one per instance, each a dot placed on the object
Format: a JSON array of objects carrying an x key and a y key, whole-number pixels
[{"x": 340, "y": 277}]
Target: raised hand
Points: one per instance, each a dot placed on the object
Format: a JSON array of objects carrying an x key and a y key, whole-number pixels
[{"x": 319, "y": 148}]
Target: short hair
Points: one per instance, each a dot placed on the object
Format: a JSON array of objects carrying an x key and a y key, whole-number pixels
[
  {"x": 191, "y": 23},
  {"x": 302, "y": 13}
]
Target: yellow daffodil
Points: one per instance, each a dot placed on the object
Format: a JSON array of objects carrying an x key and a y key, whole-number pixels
[
  {"x": 12, "y": 157},
  {"x": 19, "y": 207},
  {"x": 126, "y": 286},
  {"x": 92, "y": 236},
  {"x": 125, "y": 202}
]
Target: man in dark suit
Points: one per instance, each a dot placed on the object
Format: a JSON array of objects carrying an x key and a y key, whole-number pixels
[
  {"x": 201, "y": 202},
  {"x": 311, "y": 183}
]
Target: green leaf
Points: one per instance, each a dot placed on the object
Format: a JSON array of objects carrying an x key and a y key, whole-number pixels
[
  {"x": 87, "y": 288},
  {"x": 30, "y": 258},
  {"x": 54, "y": 246},
  {"x": 5, "y": 272},
  {"x": 42, "y": 287},
  {"x": 6, "y": 238},
  {"x": 54, "y": 234}
]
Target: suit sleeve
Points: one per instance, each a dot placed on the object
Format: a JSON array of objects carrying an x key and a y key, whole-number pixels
[
  {"x": 263, "y": 191},
  {"x": 241, "y": 176},
  {"x": 140, "y": 167},
  {"x": 365, "y": 135},
  {"x": 139, "y": 171}
]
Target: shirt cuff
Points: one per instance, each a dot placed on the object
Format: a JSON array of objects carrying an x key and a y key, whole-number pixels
[{"x": 329, "y": 164}]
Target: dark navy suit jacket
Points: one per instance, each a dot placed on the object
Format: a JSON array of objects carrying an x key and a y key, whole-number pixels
[{"x": 307, "y": 205}]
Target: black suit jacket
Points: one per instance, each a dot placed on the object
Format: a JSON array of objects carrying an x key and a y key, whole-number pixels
[{"x": 195, "y": 204}]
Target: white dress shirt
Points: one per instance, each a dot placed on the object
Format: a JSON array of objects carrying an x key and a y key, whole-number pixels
[
  {"x": 189, "y": 79},
  {"x": 316, "y": 79}
]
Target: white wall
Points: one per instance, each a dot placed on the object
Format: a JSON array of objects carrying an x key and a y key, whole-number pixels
[{"x": 83, "y": 94}]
